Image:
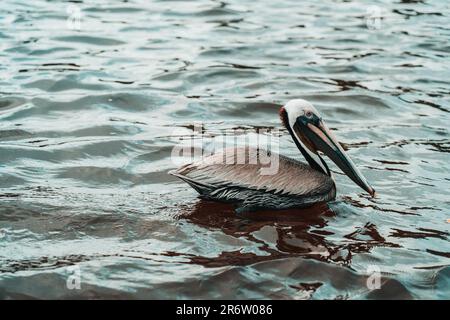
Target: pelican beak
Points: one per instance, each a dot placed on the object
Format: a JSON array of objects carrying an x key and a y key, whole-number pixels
[{"x": 324, "y": 140}]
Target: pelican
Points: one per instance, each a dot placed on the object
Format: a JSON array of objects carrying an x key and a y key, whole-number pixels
[{"x": 295, "y": 184}]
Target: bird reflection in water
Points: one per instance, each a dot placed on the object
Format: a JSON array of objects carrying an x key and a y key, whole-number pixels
[{"x": 280, "y": 233}]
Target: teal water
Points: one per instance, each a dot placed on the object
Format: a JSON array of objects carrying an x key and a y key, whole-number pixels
[{"x": 95, "y": 94}]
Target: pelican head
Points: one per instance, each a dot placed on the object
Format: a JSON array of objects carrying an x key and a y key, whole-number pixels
[{"x": 311, "y": 135}]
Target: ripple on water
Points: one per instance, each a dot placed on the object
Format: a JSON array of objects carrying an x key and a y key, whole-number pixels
[
  {"x": 97, "y": 41},
  {"x": 10, "y": 103}
]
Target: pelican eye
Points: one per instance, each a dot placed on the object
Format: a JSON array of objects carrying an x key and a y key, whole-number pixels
[{"x": 308, "y": 114}]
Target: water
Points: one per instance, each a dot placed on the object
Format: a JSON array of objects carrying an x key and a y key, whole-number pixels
[{"x": 88, "y": 111}]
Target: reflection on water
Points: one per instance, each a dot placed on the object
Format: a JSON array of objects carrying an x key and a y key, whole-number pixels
[
  {"x": 90, "y": 111},
  {"x": 288, "y": 233}
]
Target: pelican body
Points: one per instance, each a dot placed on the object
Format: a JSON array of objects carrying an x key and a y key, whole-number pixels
[{"x": 294, "y": 185}]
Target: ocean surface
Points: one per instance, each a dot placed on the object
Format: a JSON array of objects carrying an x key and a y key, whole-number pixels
[{"x": 94, "y": 96}]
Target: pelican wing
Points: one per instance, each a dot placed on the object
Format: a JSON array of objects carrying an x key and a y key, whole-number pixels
[{"x": 245, "y": 167}]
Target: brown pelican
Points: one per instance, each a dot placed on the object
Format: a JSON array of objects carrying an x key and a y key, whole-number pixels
[{"x": 295, "y": 184}]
